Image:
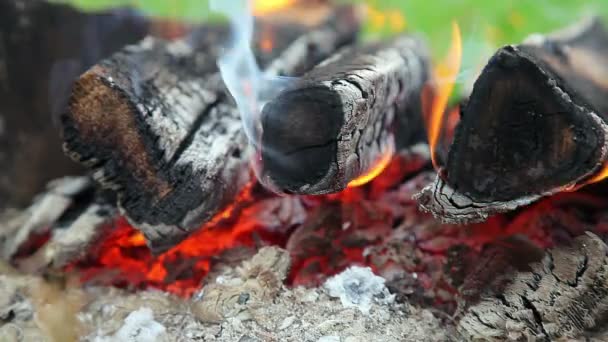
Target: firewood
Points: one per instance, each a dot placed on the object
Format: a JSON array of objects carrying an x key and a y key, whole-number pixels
[
  {"x": 564, "y": 296},
  {"x": 155, "y": 123},
  {"x": 535, "y": 124},
  {"x": 341, "y": 117},
  {"x": 44, "y": 46},
  {"x": 69, "y": 211}
]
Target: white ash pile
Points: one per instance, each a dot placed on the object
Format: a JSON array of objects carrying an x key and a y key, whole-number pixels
[{"x": 244, "y": 303}]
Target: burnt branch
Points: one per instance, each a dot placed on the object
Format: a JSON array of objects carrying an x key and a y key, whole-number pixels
[
  {"x": 564, "y": 296},
  {"x": 535, "y": 124},
  {"x": 155, "y": 123},
  {"x": 341, "y": 117}
]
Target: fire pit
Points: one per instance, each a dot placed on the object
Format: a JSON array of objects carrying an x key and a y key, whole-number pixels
[{"x": 317, "y": 187}]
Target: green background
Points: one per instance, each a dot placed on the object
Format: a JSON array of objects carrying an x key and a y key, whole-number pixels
[
  {"x": 485, "y": 24},
  {"x": 497, "y": 22}
]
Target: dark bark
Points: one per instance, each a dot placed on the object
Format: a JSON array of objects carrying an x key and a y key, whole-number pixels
[
  {"x": 43, "y": 48},
  {"x": 156, "y": 124},
  {"x": 338, "y": 119},
  {"x": 535, "y": 124}
]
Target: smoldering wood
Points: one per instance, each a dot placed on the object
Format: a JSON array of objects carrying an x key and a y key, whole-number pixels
[
  {"x": 339, "y": 118},
  {"x": 44, "y": 46},
  {"x": 156, "y": 124},
  {"x": 535, "y": 124},
  {"x": 563, "y": 296},
  {"x": 62, "y": 201},
  {"x": 71, "y": 239}
]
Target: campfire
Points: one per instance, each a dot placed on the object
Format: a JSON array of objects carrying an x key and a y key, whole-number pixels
[{"x": 280, "y": 178}]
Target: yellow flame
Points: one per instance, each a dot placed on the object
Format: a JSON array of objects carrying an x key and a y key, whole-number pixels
[
  {"x": 601, "y": 174},
  {"x": 261, "y": 7},
  {"x": 390, "y": 19},
  {"x": 376, "y": 169},
  {"x": 445, "y": 74}
]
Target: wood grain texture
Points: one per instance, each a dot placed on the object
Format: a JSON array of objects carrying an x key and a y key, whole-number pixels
[{"x": 156, "y": 124}]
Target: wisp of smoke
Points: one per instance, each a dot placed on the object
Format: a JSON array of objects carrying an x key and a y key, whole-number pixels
[
  {"x": 250, "y": 87},
  {"x": 238, "y": 66}
]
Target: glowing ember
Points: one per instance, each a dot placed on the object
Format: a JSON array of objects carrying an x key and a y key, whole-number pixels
[
  {"x": 445, "y": 76},
  {"x": 376, "y": 169},
  {"x": 267, "y": 41},
  {"x": 261, "y": 7},
  {"x": 123, "y": 258},
  {"x": 377, "y": 225}
]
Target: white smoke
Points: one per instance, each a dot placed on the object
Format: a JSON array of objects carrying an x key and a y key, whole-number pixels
[
  {"x": 249, "y": 86},
  {"x": 238, "y": 65}
]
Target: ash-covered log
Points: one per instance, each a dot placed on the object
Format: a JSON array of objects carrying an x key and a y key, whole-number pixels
[
  {"x": 157, "y": 125},
  {"x": 562, "y": 297},
  {"x": 335, "y": 122},
  {"x": 44, "y": 46},
  {"x": 535, "y": 124}
]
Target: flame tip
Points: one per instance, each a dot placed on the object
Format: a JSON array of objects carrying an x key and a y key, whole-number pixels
[
  {"x": 374, "y": 171},
  {"x": 444, "y": 74}
]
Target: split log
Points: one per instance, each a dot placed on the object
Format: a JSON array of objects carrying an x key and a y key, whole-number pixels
[
  {"x": 535, "y": 124},
  {"x": 157, "y": 125},
  {"x": 564, "y": 296},
  {"x": 335, "y": 122},
  {"x": 44, "y": 46}
]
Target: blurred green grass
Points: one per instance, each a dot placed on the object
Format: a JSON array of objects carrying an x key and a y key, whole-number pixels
[{"x": 485, "y": 24}]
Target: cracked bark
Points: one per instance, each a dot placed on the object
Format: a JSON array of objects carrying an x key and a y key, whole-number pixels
[
  {"x": 535, "y": 124},
  {"x": 155, "y": 123},
  {"x": 563, "y": 296},
  {"x": 334, "y": 123}
]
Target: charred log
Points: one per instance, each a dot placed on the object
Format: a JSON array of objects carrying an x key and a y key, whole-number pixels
[
  {"x": 69, "y": 213},
  {"x": 535, "y": 124},
  {"x": 341, "y": 117},
  {"x": 156, "y": 124},
  {"x": 44, "y": 46},
  {"x": 561, "y": 297}
]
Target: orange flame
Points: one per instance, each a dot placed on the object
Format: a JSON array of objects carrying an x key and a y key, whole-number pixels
[
  {"x": 445, "y": 75},
  {"x": 261, "y": 7},
  {"x": 599, "y": 176},
  {"x": 267, "y": 39},
  {"x": 372, "y": 173}
]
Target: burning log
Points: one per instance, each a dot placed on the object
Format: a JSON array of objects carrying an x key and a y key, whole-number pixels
[
  {"x": 44, "y": 46},
  {"x": 339, "y": 119},
  {"x": 535, "y": 124},
  {"x": 156, "y": 124}
]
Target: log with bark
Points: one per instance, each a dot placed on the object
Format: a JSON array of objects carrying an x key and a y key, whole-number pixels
[
  {"x": 44, "y": 46},
  {"x": 535, "y": 124},
  {"x": 335, "y": 122},
  {"x": 157, "y": 125}
]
